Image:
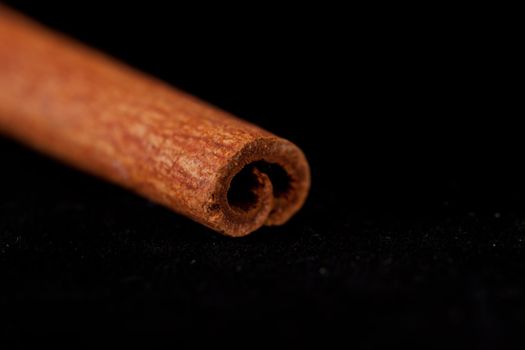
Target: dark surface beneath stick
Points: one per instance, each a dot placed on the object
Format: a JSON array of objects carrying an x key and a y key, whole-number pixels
[{"x": 413, "y": 233}]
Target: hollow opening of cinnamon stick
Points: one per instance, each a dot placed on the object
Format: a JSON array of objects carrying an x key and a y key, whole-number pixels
[{"x": 245, "y": 187}]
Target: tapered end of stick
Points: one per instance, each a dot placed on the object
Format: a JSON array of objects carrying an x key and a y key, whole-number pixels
[{"x": 266, "y": 183}]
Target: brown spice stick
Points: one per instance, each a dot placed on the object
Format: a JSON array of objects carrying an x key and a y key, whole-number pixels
[{"x": 101, "y": 116}]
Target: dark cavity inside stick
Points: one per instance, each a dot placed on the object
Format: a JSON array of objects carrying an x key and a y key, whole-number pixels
[{"x": 243, "y": 192}]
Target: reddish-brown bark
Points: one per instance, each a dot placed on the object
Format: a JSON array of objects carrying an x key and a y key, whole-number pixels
[{"x": 101, "y": 116}]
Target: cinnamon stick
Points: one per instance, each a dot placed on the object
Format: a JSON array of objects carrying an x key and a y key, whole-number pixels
[{"x": 99, "y": 115}]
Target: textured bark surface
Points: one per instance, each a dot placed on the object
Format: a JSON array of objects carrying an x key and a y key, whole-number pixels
[{"x": 101, "y": 116}]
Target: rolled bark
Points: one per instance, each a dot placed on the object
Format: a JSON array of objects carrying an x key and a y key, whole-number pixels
[{"x": 103, "y": 117}]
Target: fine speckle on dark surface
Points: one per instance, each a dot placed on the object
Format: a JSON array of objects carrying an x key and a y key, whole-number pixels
[{"x": 414, "y": 231}]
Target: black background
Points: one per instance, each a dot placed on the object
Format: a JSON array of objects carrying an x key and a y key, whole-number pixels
[{"x": 414, "y": 230}]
